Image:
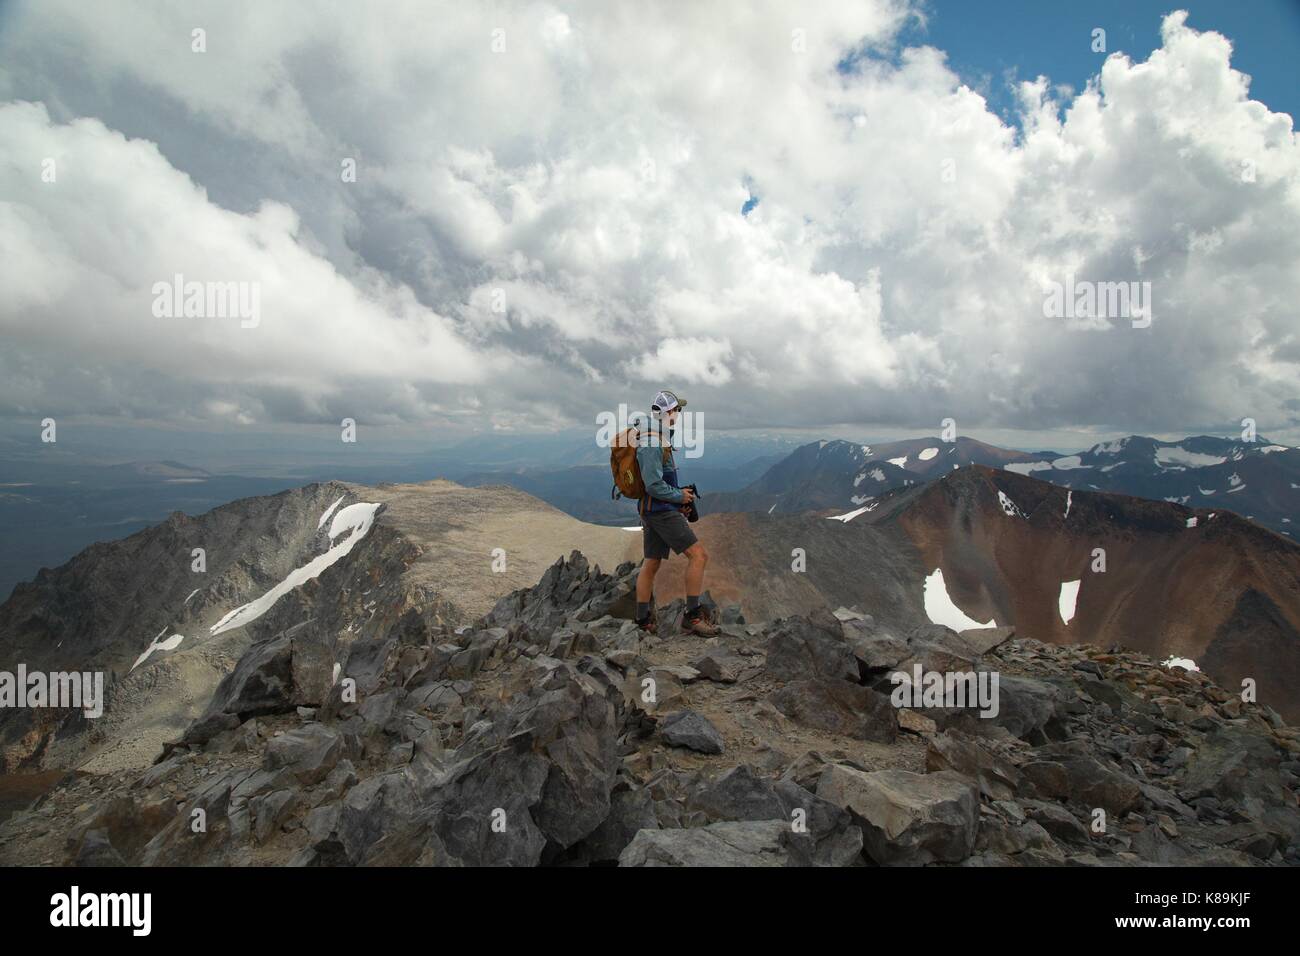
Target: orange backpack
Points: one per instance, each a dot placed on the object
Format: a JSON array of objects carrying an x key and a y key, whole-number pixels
[{"x": 622, "y": 462}]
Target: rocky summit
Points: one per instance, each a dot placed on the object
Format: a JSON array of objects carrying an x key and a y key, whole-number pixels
[{"x": 554, "y": 732}]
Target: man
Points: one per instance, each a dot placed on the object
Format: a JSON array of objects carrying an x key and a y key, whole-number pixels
[{"x": 663, "y": 520}]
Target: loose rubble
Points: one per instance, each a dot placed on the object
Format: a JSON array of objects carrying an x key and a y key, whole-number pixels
[{"x": 554, "y": 732}]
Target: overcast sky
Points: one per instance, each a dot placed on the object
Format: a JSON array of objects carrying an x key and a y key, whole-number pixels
[{"x": 554, "y": 212}]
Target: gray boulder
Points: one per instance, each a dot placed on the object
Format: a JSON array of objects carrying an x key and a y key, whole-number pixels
[
  {"x": 97, "y": 849},
  {"x": 630, "y": 811},
  {"x": 539, "y": 775},
  {"x": 738, "y": 794},
  {"x": 721, "y": 665},
  {"x": 745, "y": 843},
  {"x": 833, "y": 837},
  {"x": 939, "y": 648},
  {"x": 996, "y": 776},
  {"x": 839, "y": 707},
  {"x": 309, "y": 752},
  {"x": 261, "y": 683},
  {"x": 686, "y": 728},
  {"x": 907, "y": 818},
  {"x": 312, "y": 666},
  {"x": 1055, "y": 819},
  {"x": 1085, "y": 781},
  {"x": 875, "y": 647},
  {"x": 799, "y": 650}
]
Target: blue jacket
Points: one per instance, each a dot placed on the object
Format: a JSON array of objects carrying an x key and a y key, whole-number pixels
[{"x": 659, "y": 474}]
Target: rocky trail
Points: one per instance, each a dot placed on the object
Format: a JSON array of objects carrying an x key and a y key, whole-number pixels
[{"x": 554, "y": 732}]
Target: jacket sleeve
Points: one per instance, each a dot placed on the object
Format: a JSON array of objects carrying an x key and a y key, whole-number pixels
[{"x": 650, "y": 459}]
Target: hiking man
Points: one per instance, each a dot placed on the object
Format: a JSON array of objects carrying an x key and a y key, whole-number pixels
[{"x": 663, "y": 520}]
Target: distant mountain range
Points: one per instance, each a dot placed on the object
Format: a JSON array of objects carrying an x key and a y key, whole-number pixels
[{"x": 1258, "y": 480}]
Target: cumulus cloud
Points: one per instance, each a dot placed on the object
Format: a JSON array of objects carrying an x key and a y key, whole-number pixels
[{"x": 547, "y": 208}]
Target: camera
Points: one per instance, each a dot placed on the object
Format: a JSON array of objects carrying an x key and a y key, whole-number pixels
[{"x": 692, "y": 512}]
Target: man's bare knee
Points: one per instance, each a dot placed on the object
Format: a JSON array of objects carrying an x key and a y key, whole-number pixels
[{"x": 696, "y": 554}]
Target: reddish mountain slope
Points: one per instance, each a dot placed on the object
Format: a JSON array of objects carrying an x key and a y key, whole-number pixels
[{"x": 1223, "y": 592}]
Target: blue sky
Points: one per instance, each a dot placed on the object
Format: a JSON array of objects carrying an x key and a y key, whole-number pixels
[{"x": 988, "y": 42}]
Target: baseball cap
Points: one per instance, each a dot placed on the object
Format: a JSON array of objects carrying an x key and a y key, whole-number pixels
[{"x": 666, "y": 401}]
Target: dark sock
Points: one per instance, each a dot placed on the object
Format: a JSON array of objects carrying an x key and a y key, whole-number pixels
[
  {"x": 692, "y": 602},
  {"x": 642, "y": 610}
]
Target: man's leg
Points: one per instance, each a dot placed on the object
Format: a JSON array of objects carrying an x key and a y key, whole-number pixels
[
  {"x": 645, "y": 586},
  {"x": 697, "y": 559}
]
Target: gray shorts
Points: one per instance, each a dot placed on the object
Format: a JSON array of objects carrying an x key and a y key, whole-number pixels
[{"x": 664, "y": 530}]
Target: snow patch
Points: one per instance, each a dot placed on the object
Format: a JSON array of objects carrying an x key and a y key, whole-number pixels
[
  {"x": 900, "y": 462},
  {"x": 1068, "y": 600},
  {"x": 1191, "y": 522},
  {"x": 329, "y": 511},
  {"x": 1178, "y": 455},
  {"x": 1069, "y": 500},
  {"x": 940, "y": 609},
  {"x": 352, "y": 524},
  {"x": 1008, "y": 506},
  {"x": 1186, "y": 663},
  {"x": 1269, "y": 449},
  {"x": 170, "y": 644},
  {"x": 1025, "y": 467},
  {"x": 1069, "y": 462},
  {"x": 927, "y": 454},
  {"x": 849, "y": 516}
]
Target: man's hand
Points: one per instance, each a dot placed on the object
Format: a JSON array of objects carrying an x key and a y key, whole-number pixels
[{"x": 687, "y": 496}]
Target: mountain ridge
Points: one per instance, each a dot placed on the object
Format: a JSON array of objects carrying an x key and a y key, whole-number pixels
[{"x": 1260, "y": 480}]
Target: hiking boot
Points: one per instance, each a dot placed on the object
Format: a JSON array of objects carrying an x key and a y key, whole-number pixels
[
  {"x": 698, "y": 622},
  {"x": 649, "y": 623}
]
